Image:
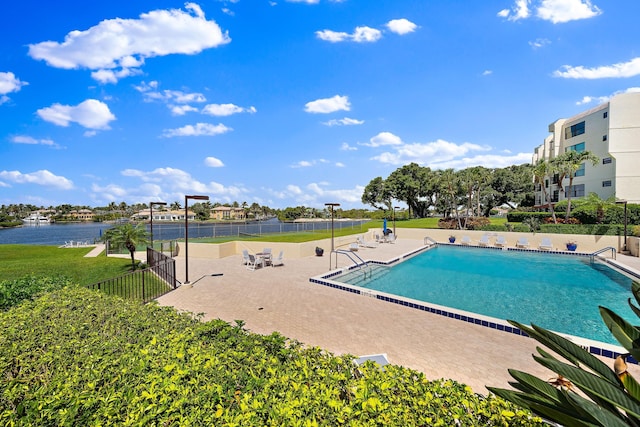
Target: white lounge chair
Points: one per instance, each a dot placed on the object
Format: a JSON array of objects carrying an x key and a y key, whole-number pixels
[
  {"x": 545, "y": 244},
  {"x": 365, "y": 244},
  {"x": 500, "y": 242},
  {"x": 245, "y": 257},
  {"x": 466, "y": 240},
  {"x": 484, "y": 240},
  {"x": 391, "y": 238},
  {"x": 279, "y": 260},
  {"x": 353, "y": 247},
  {"x": 522, "y": 242},
  {"x": 254, "y": 262}
]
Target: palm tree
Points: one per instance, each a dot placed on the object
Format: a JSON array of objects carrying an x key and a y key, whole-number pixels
[
  {"x": 541, "y": 170},
  {"x": 175, "y": 206},
  {"x": 128, "y": 236},
  {"x": 568, "y": 163}
]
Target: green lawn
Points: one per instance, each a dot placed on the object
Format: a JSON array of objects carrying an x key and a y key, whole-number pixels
[{"x": 19, "y": 260}]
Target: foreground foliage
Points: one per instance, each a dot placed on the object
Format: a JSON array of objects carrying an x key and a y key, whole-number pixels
[
  {"x": 13, "y": 292},
  {"x": 586, "y": 391},
  {"x": 77, "y": 357}
]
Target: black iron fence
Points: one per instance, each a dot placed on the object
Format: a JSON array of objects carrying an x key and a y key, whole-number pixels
[{"x": 143, "y": 285}]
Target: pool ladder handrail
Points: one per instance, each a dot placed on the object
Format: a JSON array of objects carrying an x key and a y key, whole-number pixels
[
  {"x": 599, "y": 251},
  {"x": 428, "y": 240},
  {"x": 350, "y": 255}
]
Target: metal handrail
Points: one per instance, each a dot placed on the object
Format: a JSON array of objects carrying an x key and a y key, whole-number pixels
[
  {"x": 350, "y": 255},
  {"x": 429, "y": 239},
  {"x": 599, "y": 251}
]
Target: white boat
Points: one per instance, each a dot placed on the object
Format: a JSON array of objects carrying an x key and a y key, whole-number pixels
[{"x": 36, "y": 219}]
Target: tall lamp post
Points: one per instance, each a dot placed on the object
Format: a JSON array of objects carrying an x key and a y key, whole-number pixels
[
  {"x": 394, "y": 219},
  {"x": 331, "y": 207},
  {"x": 186, "y": 234},
  {"x": 151, "y": 217},
  {"x": 625, "y": 222}
]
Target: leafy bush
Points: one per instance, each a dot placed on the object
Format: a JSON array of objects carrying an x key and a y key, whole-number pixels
[
  {"x": 477, "y": 222},
  {"x": 519, "y": 216},
  {"x": 77, "y": 357},
  {"x": 13, "y": 292}
]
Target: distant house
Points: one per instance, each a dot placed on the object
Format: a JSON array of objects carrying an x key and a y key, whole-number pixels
[
  {"x": 82, "y": 215},
  {"x": 145, "y": 215},
  {"x": 228, "y": 213}
]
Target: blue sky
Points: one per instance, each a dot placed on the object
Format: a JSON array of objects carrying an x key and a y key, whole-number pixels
[{"x": 289, "y": 103}]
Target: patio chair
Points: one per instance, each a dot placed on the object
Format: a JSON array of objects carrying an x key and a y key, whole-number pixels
[
  {"x": 466, "y": 240},
  {"x": 500, "y": 242},
  {"x": 522, "y": 242},
  {"x": 391, "y": 238},
  {"x": 266, "y": 255},
  {"x": 484, "y": 240},
  {"x": 545, "y": 244},
  {"x": 254, "y": 262},
  {"x": 279, "y": 260},
  {"x": 245, "y": 257},
  {"x": 365, "y": 244},
  {"x": 353, "y": 247}
]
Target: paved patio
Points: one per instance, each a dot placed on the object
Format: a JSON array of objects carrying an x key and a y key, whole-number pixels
[{"x": 282, "y": 299}]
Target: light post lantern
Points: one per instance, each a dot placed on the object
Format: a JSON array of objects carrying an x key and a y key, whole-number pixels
[
  {"x": 151, "y": 217},
  {"x": 186, "y": 234},
  {"x": 331, "y": 207}
]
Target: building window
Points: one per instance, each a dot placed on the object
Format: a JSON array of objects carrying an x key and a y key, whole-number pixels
[
  {"x": 576, "y": 191},
  {"x": 606, "y": 183},
  {"x": 577, "y": 147},
  {"x": 604, "y": 137},
  {"x": 606, "y": 160},
  {"x": 546, "y": 183},
  {"x": 580, "y": 171},
  {"x": 555, "y": 178},
  {"x": 605, "y": 114},
  {"x": 555, "y": 196},
  {"x": 537, "y": 187},
  {"x": 574, "y": 130}
]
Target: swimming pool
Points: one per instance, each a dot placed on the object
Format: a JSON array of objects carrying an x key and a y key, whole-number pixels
[{"x": 557, "y": 292}]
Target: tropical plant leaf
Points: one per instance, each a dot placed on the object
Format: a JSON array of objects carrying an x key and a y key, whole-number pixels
[
  {"x": 635, "y": 290},
  {"x": 635, "y": 309},
  {"x": 569, "y": 350},
  {"x": 594, "y": 385},
  {"x": 560, "y": 415},
  {"x": 627, "y": 335},
  {"x": 632, "y": 385},
  {"x": 605, "y": 418},
  {"x": 535, "y": 385}
]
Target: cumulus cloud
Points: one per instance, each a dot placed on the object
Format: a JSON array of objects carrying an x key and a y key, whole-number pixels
[
  {"x": 116, "y": 48},
  {"x": 383, "y": 138},
  {"x": 9, "y": 83},
  {"x": 91, "y": 114},
  {"x": 199, "y": 129},
  {"x": 213, "y": 162},
  {"x": 360, "y": 35},
  {"x": 603, "y": 99},
  {"x": 346, "y": 147},
  {"x": 401, "y": 26},
  {"x": 226, "y": 109},
  {"x": 539, "y": 42},
  {"x": 441, "y": 154},
  {"x": 343, "y": 122},
  {"x": 302, "y": 164},
  {"x": 41, "y": 177},
  {"x": 555, "y": 11},
  {"x": 622, "y": 69},
  {"x": 328, "y": 105}
]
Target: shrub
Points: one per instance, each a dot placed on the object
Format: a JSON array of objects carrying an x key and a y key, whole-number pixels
[
  {"x": 477, "y": 222},
  {"x": 13, "y": 292},
  {"x": 448, "y": 223},
  {"x": 77, "y": 357},
  {"x": 519, "y": 216}
]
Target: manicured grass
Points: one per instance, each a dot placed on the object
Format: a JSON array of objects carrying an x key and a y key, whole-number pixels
[{"x": 19, "y": 260}]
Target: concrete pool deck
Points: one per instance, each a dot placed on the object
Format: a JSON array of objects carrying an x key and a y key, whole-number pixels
[{"x": 283, "y": 299}]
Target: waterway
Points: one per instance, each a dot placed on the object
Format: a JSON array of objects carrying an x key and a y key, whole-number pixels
[{"x": 57, "y": 234}]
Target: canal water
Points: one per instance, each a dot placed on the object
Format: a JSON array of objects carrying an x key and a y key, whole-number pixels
[{"x": 57, "y": 234}]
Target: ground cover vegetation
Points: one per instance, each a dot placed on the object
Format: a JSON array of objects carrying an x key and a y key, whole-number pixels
[
  {"x": 586, "y": 391},
  {"x": 78, "y": 357}
]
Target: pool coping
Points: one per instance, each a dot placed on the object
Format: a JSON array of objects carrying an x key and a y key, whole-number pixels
[{"x": 594, "y": 347}]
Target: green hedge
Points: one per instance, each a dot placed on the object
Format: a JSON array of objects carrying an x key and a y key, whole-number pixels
[
  {"x": 588, "y": 229},
  {"x": 518, "y": 216},
  {"x": 77, "y": 357},
  {"x": 13, "y": 292}
]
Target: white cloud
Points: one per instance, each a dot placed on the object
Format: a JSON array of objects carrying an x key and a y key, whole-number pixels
[
  {"x": 116, "y": 48},
  {"x": 343, "y": 122},
  {"x": 181, "y": 110},
  {"x": 603, "y": 99},
  {"x": 539, "y": 42},
  {"x": 556, "y": 11},
  {"x": 24, "y": 139},
  {"x": 401, "y": 26},
  {"x": 486, "y": 160},
  {"x": 359, "y": 35},
  {"x": 10, "y": 83},
  {"x": 383, "y": 138},
  {"x": 347, "y": 147},
  {"x": 302, "y": 164},
  {"x": 328, "y": 105},
  {"x": 226, "y": 109},
  {"x": 41, "y": 177},
  {"x": 213, "y": 162},
  {"x": 200, "y": 129},
  {"x": 487, "y": 72},
  {"x": 622, "y": 69},
  {"x": 340, "y": 165},
  {"x": 91, "y": 114}
]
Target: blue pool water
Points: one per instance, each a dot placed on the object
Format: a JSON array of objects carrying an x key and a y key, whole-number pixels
[{"x": 557, "y": 292}]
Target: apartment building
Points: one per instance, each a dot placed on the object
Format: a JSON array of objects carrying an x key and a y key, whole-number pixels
[{"x": 611, "y": 131}]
